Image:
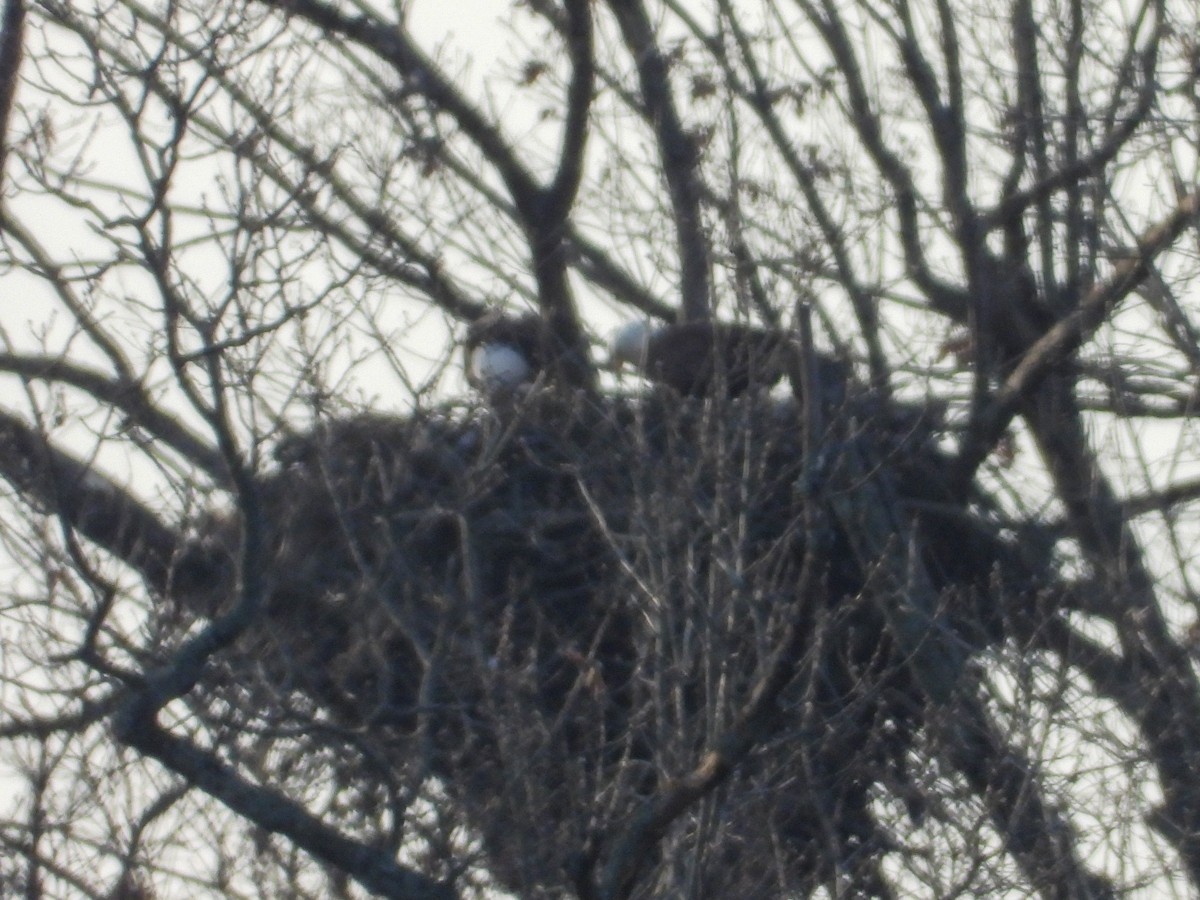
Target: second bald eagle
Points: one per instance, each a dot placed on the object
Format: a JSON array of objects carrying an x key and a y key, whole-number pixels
[{"x": 695, "y": 358}]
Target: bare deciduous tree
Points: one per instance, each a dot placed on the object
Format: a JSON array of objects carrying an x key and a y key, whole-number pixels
[{"x": 292, "y": 611}]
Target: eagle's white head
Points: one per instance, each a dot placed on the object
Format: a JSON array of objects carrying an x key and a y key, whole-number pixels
[
  {"x": 630, "y": 345},
  {"x": 499, "y": 368}
]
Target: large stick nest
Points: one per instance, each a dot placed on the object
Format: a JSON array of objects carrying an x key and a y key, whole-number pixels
[{"x": 560, "y": 602}]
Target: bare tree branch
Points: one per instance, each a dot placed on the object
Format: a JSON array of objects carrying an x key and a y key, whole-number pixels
[
  {"x": 680, "y": 162},
  {"x": 88, "y": 501},
  {"x": 12, "y": 39},
  {"x": 128, "y": 397},
  {"x": 375, "y": 870},
  {"x": 1075, "y": 170},
  {"x": 1065, "y": 337}
]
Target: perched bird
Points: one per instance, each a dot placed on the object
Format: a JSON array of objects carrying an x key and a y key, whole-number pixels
[
  {"x": 498, "y": 368},
  {"x": 697, "y": 357},
  {"x": 502, "y": 352}
]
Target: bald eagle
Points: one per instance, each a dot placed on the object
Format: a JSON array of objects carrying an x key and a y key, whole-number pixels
[
  {"x": 503, "y": 353},
  {"x": 694, "y": 357}
]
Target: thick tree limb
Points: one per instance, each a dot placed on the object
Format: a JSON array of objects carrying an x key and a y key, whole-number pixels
[
  {"x": 58, "y": 483},
  {"x": 946, "y": 122},
  {"x": 1065, "y": 337},
  {"x": 936, "y": 656},
  {"x": 376, "y": 870},
  {"x": 1150, "y": 703},
  {"x": 1160, "y": 501},
  {"x": 677, "y": 150},
  {"x": 546, "y": 219},
  {"x": 12, "y": 41},
  {"x": 129, "y": 398},
  {"x": 560, "y": 195},
  {"x": 1169, "y": 694},
  {"x": 88, "y": 713},
  {"x": 1029, "y": 128},
  {"x": 1040, "y": 839}
]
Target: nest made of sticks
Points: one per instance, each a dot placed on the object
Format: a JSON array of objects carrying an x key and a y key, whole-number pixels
[{"x": 531, "y": 584}]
